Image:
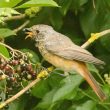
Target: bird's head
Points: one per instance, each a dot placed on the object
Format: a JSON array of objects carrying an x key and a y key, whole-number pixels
[{"x": 36, "y": 30}]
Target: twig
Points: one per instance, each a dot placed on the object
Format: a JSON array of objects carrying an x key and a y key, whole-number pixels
[
  {"x": 20, "y": 93},
  {"x": 95, "y": 36},
  {"x": 21, "y": 27},
  {"x": 94, "y": 4},
  {"x": 14, "y": 51},
  {"x": 6, "y": 46},
  {"x": 21, "y": 16}
]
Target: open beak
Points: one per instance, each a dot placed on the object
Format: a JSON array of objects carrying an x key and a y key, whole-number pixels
[{"x": 29, "y": 34}]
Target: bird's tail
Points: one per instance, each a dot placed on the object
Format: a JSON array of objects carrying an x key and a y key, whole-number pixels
[{"x": 92, "y": 82}]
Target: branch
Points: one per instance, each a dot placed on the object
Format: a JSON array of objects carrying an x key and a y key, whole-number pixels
[
  {"x": 14, "y": 51},
  {"x": 6, "y": 46},
  {"x": 21, "y": 27},
  {"x": 20, "y": 93},
  {"x": 21, "y": 16},
  {"x": 95, "y": 36},
  {"x": 30, "y": 12},
  {"x": 43, "y": 74}
]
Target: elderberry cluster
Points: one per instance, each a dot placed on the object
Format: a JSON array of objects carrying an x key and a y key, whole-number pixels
[{"x": 14, "y": 71}]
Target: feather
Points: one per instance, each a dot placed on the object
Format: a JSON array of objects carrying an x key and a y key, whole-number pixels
[{"x": 62, "y": 46}]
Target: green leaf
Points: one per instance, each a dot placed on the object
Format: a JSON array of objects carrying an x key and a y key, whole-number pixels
[
  {"x": 76, "y": 5},
  {"x": 105, "y": 41},
  {"x": 65, "y": 5},
  {"x": 5, "y": 32},
  {"x": 4, "y": 51},
  {"x": 89, "y": 105},
  {"x": 34, "y": 57},
  {"x": 95, "y": 19},
  {"x": 71, "y": 83},
  {"x": 106, "y": 89},
  {"x": 7, "y": 12},
  {"x": 56, "y": 19},
  {"x": 65, "y": 90},
  {"x": 92, "y": 68},
  {"x": 19, "y": 104},
  {"x": 10, "y": 3},
  {"x": 40, "y": 89},
  {"x": 46, "y": 101},
  {"x": 55, "y": 79},
  {"x": 34, "y": 3},
  {"x": 2, "y": 86}
]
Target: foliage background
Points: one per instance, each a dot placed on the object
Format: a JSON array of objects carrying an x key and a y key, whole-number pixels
[{"x": 75, "y": 18}]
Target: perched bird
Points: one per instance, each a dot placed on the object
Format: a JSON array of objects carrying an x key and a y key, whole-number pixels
[{"x": 61, "y": 52}]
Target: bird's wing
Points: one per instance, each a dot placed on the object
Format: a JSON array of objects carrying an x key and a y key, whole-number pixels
[{"x": 62, "y": 46}]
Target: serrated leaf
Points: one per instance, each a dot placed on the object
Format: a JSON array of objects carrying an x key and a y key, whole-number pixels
[
  {"x": 4, "y": 51},
  {"x": 5, "y": 32},
  {"x": 10, "y": 3},
  {"x": 34, "y": 3}
]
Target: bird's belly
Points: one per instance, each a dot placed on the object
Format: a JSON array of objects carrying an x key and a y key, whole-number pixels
[{"x": 62, "y": 63}]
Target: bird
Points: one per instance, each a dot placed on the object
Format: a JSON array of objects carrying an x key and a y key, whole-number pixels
[{"x": 60, "y": 51}]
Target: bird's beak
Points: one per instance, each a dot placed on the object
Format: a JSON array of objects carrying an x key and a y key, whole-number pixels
[{"x": 29, "y": 34}]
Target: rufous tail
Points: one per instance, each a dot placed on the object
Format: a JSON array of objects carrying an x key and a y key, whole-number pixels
[{"x": 92, "y": 82}]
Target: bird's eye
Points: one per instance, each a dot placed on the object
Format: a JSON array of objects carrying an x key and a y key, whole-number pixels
[{"x": 37, "y": 31}]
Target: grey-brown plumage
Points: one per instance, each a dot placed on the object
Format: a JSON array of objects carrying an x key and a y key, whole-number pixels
[
  {"x": 60, "y": 51},
  {"x": 61, "y": 45}
]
